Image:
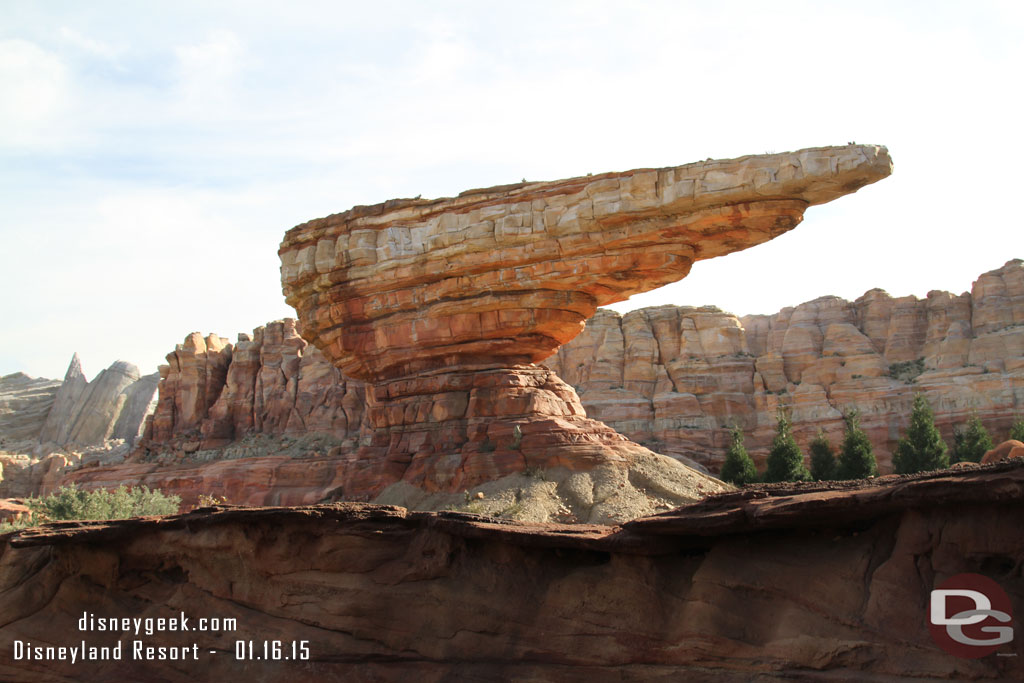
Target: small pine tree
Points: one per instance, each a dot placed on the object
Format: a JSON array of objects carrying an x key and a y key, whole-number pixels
[
  {"x": 856, "y": 458},
  {"x": 922, "y": 449},
  {"x": 823, "y": 460},
  {"x": 958, "y": 445},
  {"x": 972, "y": 442},
  {"x": 1017, "y": 430},
  {"x": 738, "y": 467},
  {"x": 785, "y": 461}
]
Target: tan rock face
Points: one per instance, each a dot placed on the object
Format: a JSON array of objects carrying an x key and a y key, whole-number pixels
[
  {"x": 677, "y": 377},
  {"x": 272, "y": 382},
  {"x": 442, "y": 305},
  {"x": 40, "y": 415},
  {"x": 24, "y": 404},
  {"x": 12, "y": 510},
  {"x": 112, "y": 406}
]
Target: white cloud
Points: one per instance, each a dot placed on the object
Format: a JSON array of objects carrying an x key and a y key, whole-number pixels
[
  {"x": 206, "y": 71},
  {"x": 443, "y": 57},
  {"x": 90, "y": 45},
  {"x": 280, "y": 116},
  {"x": 33, "y": 94}
]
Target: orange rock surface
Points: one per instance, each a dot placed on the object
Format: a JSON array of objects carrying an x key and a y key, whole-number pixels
[
  {"x": 443, "y": 305},
  {"x": 1004, "y": 451}
]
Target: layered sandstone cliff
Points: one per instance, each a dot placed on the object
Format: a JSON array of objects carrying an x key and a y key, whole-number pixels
[
  {"x": 673, "y": 378},
  {"x": 805, "y": 582},
  {"x": 676, "y": 378},
  {"x": 443, "y": 306},
  {"x": 271, "y": 382}
]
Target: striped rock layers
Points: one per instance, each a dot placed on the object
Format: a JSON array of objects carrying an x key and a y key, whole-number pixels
[{"x": 443, "y": 306}]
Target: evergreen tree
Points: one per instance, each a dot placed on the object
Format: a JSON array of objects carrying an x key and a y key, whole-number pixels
[
  {"x": 738, "y": 468},
  {"x": 856, "y": 458},
  {"x": 958, "y": 445},
  {"x": 1017, "y": 430},
  {"x": 972, "y": 442},
  {"x": 785, "y": 461},
  {"x": 823, "y": 460},
  {"x": 922, "y": 449}
]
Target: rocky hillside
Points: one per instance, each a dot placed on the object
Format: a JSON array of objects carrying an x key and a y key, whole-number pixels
[
  {"x": 49, "y": 426},
  {"x": 675, "y": 378},
  {"x": 25, "y": 403},
  {"x": 671, "y": 377}
]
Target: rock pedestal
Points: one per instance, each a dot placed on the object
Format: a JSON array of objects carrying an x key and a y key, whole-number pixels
[
  {"x": 442, "y": 306},
  {"x": 449, "y": 430}
]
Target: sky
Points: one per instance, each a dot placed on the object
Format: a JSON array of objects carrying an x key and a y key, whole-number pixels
[{"x": 152, "y": 155}]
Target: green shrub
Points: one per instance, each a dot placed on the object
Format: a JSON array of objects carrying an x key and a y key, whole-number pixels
[
  {"x": 972, "y": 442},
  {"x": 1017, "y": 430},
  {"x": 856, "y": 457},
  {"x": 922, "y": 449},
  {"x": 71, "y": 502},
  {"x": 738, "y": 467},
  {"x": 823, "y": 460},
  {"x": 785, "y": 461},
  {"x": 907, "y": 371}
]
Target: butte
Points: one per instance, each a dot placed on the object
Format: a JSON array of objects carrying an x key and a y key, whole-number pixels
[{"x": 446, "y": 307}]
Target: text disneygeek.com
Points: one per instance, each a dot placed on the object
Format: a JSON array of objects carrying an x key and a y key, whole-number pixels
[{"x": 138, "y": 648}]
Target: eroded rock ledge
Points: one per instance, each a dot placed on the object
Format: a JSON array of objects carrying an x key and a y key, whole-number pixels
[{"x": 809, "y": 581}]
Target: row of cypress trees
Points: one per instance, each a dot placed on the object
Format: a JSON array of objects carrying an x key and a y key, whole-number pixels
[{"x": 921, "y": 449}]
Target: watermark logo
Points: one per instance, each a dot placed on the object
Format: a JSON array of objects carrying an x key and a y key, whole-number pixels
[{"x": 969, "y": 616}]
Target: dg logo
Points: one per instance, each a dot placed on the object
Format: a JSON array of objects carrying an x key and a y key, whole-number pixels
[{"x": 970, "y": 616}]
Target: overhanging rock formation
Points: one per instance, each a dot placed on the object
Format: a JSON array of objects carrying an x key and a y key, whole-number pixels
[{"x": 443, "y": 306}]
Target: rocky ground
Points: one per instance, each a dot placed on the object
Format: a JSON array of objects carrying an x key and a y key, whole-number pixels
[
  {"x": 605, "y": 495},
  {"x": 791, "y": 582}
]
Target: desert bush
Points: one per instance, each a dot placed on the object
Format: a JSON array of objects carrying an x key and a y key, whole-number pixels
[
  {"x": 907, "y": 371},
  {"x": 71, "y": 502},
  {"x": 209, "y": 500},
  {"x": 922, "y": 449}
]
